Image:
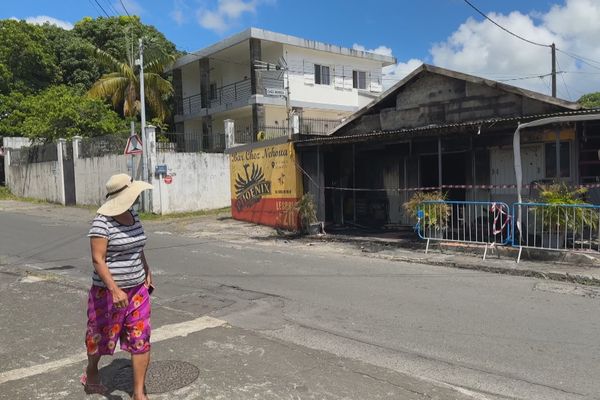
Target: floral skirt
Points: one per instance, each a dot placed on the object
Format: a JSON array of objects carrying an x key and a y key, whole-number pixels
[{"x": 108, "y": 324}]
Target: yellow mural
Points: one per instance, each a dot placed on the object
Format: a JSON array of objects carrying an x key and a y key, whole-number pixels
[{"x": 265, "y": 185}]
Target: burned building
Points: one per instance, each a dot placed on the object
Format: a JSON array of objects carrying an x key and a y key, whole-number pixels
[{"x": 443, "y": 130}]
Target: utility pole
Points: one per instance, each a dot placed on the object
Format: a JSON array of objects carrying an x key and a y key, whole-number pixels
[
  {"x": 145, "y": 153},
  {"x": 553, "y": 47}
]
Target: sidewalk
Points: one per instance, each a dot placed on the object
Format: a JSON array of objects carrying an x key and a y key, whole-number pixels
[{"x": 583, "y": 269}]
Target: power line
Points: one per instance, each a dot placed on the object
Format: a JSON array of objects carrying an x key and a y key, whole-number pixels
[
  {"x": 95, "y": 7},
  {"x": 124, "y": 8},
  {"x": 563, "y": 79},
  {"x": 111, "y": 8},
  {"x": 521, "y": 78},
  {"x": 504, "y": 29},
  {"x": 102, "y": 8},
  {"x": 579, "y": 58}
]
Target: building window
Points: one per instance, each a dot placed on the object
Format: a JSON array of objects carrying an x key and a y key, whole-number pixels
[
  {"x": 212, "y": 91},
  {"x": 565, "y": 160},
  {"x": 322, "y": 75},
  {"x": 359, "y": 80}
]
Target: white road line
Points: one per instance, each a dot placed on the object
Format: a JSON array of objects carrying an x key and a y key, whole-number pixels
[{"x": 164, "y": 332}]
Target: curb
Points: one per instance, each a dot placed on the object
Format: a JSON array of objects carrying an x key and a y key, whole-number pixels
[{"x": 449, "y": 263}]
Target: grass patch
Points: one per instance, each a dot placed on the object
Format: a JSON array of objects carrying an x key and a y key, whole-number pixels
[
  {"x": 189, "y": 214},
  {"x": 6, "y": 194}
]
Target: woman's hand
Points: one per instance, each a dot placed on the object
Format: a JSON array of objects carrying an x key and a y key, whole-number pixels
[
  {"x": 148, "y": 281},
  {"x": 119, "y": 298}
]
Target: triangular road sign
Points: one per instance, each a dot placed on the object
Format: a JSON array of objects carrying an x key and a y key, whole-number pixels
[{"x": 134, "y": 145}]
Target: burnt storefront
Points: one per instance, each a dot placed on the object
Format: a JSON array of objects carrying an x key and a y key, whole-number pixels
[{"x": 445, "y": 131}]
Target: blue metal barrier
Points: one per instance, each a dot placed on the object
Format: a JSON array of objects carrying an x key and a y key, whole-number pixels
[
  {"x": 556, "y": 227},
  {"x": 477, "y": 222}
]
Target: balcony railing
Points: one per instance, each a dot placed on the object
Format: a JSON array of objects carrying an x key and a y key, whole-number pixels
[
  {"x": 229, "y": 94},
  {"x": 317, "y": 126},
  {"x": 224, "y": 96}
]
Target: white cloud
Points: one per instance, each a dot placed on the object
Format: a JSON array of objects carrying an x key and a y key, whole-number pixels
[
  {"x": 43, "y": 19},
  {"x": 481, "y": 48},
  {"x": 179, "y": 12},
  {"x": 132, "y": 6},
  {"x": 392, "y": 73},
  {"x": 382, "y": 50},
  {"x": 227, "y": 13}
]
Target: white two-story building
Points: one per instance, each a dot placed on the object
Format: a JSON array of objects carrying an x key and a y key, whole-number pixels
[{"x": 224, "y": 82}]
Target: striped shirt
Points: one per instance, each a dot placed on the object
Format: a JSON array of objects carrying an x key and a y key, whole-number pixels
[{"x": 124, "y": 250}]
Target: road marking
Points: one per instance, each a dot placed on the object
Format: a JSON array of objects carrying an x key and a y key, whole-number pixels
[{"x": 159, "y": 334}]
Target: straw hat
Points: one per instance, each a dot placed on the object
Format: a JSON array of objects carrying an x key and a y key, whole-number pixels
[{"x": 121, "y": 192}]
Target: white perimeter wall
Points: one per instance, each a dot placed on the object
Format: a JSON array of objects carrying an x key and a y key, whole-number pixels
[
  {"x": 91, "y": 175},
  {"x": 200, "y": 182},
  {"x": 41, "y": 181}
]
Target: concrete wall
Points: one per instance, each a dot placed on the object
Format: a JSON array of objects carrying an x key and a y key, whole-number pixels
[
  {"x": 200, "y": 182},
  {"x": 91, "y": 175},
  {"x": 41, "y": 181},
  {"x": 190, "y": 80},
  {"x": 15, "y": 142}
]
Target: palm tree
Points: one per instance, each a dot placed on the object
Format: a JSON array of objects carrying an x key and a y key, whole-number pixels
[{"x": 122, "y": 87}]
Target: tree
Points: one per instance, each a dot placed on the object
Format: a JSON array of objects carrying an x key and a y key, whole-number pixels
[
  {"x": 73, "y": 56},
  {"x": 122, "y": 86},
  {"x": 590, "y": 100},
  {"x": 118, "y": 36},
  {"x": 59, "y": 112},
  {"x": 27, "y": 63}
]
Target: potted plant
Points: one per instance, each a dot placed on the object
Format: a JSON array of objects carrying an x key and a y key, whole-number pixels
[
  {"x": 432, "y": 212},
  {"x": 308, "y": 215},
  {"x": 559, "y": 218}
]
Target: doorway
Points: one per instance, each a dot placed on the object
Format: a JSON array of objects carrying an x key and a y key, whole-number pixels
[{"x": 454, "y": 172}]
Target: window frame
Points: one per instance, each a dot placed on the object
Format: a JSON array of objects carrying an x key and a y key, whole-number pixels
[
  {"x": 319, "y": 74},
  {"x": 356, "y": 79},
  {"x": 552, "y": 165},
  {"x": 212, "y": 91}
]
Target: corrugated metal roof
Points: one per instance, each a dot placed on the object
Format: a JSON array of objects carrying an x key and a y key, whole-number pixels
[{"x": 435, "y": 128}]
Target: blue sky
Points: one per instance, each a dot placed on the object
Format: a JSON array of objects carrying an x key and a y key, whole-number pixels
[{"x": 447, "y": 33}]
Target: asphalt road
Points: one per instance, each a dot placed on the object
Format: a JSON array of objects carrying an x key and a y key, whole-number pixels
[{"x": 493, "y": 336}]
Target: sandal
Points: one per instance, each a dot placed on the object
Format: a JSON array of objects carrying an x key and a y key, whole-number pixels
[{"x": 92, "y": 388}]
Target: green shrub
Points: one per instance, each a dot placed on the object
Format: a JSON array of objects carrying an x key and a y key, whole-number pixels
[{"x": 434, "y": 216}]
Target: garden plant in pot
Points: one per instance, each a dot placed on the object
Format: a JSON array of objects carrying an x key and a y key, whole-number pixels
[
  {"x": 431, "y": 211},
  {"x": 563, "y": 222},
  {"x": 308, "y": 215}
]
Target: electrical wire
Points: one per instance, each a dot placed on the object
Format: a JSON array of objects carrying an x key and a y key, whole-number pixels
[
  {"x": 503, "y": 28},
  {"x": 563, "y": 79},
  {"x": 111, "y": 8},
  {"x": 102, "y": 8},
  {"x": 578, "y": 58},
  {"x": 521, "y": 78},
  {"x": 95, "y": 8},
  {"x": 124, "y": 8}
]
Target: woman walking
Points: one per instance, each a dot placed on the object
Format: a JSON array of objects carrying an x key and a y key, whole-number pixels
[{"x": 119, "y": 300}]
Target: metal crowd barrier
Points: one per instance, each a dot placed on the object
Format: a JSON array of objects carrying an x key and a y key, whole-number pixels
[
  {"x": 558, "y": 227},
  {"x": 486, "y": 223}
]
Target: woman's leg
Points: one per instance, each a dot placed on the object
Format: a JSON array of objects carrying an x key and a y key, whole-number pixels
[
  {"x": 93, "y": 376},
  {"x": 140, "y": 366}
]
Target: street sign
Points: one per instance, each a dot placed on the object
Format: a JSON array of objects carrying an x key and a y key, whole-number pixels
[
  {"x": 160, "y": 169},
  {"x": 275, "y": 92},
  {"x": 134, "y": 145},
  {"x": 168, "y": 179}
]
